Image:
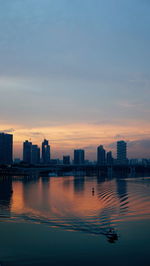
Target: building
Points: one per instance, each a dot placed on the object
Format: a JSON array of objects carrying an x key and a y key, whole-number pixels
[
  {"x": 35, "y": 154},
  {"x": 122, "y": 152},
  {"x": 6, "y": 148},
  {"x": 45, "y": 152},
  {"x": 79, "y": 157},
  {"x": 27, "y": 152},
  {"x": 109, "y": 158},
  {"x": 101, "y": 155},
  {"x": 66, "y": 159}
]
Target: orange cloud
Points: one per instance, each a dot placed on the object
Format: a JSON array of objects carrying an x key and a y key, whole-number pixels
[{"x": 64, "y": 138}]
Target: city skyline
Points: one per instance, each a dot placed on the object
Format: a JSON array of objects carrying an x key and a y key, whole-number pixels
[
  {"x": 76, "y": 72},
  {"x": 35, "y": 154},
  {"x": 60, "y": 148}
]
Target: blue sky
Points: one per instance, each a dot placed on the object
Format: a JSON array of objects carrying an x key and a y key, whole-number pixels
[{"x": 71, "y": 62}]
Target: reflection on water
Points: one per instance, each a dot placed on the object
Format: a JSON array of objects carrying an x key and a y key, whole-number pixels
[
  {"x": 79, "y": 183},
  {"x": 122, "y": 195},
  {"x": 5, "y": 197},
  {"x": 87, "y": 204}
]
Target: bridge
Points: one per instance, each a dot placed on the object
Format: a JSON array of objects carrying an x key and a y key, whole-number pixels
[{"x": 61, "y": 169}]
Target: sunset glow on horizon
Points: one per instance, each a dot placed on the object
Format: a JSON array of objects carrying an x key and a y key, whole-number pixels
[{"x": 65, "y": 138}]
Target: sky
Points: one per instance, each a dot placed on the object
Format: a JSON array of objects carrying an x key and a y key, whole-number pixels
[{"x": 77, "y": 73}]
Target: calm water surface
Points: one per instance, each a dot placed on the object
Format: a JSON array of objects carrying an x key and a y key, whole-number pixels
[{"x": 67, "y": 220}]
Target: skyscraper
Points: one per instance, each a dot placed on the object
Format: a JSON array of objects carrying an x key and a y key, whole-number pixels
[
  {"x": 79, "y": 157},
  {"x": 45, "y": 152},
  {"x": 6, "y": 148},
  {"x": 35, "y": 154},
  {"x": 109, "y": 158},
  {"x": 121, "y": 152},
  {"x": 101, "y": 155},
  {"x": 27, "y": 152}
]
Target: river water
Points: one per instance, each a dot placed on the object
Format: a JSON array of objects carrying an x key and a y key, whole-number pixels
[{"x": 75, "y": 221}]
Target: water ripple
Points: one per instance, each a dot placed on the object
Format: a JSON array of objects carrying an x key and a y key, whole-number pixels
[{"x": 113, "y": 201}]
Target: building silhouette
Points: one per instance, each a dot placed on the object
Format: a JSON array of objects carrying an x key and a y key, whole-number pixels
[
  {"x": 79, "y": 157},
  {"x": 66, "y": 160},
  {"x": 27, "y": 152},
  {"x": 45, "y": 152},
  {"x": 35, "y": 154},
  {"x": 101, "y": 155},
  {"x": 121, "y": 152},
  {"x": 6, "y": 148},
  {"x": 109, "y": 158}
]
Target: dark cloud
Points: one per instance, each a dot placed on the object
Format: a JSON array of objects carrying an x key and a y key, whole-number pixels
[
  {"x": 10, "y": 130},
  {"x": 111, "y": 145},
  {"x": 36, "y": 133},
  {"x": 90, "y": 147},
  {"x": 139, "y": 148},
  {"x": 118, "y": 136},
  {"x": 143, "y": 143},
  {"x": 136, "y": 148}
]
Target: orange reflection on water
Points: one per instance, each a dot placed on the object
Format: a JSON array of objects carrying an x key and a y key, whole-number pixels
[
  {"x": 74, "y": 197},
  {"x": 17, "y": 198},
  {"x": 76, "y": 202}
]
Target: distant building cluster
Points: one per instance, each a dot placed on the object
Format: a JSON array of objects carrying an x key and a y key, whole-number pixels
[{"x": 33, "y": 155}]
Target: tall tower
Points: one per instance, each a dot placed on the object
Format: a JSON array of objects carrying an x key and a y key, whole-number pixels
[
  {"x": 101, "y": 155},
  {"x": 45, "y": 152},
  {"x": 35, "y": 154},
  {"x": 6, "y": 148},
  {"x": 121, "y": 152},
  {"x": 27, "y": 152},
  {"x": 79, "y": 157},
  {"x": 109, "y": 158}
]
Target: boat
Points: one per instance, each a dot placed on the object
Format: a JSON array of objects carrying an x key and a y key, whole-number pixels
[{"x": 112, "y": 235}]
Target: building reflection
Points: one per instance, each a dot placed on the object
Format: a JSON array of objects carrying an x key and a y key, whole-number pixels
[
  {"x": 36, "y": 195},
  {"x": 67, "y": 184},
  {"x": 121, "y": 187},
  {"x": 30, "y": 192},
  {"x": 45, "y": 191},
  {"x": 79, "y": 184},
  {"x": 5, "y": 197}
]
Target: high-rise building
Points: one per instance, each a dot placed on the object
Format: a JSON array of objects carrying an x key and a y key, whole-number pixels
[
  {"x": 27, "y": 152},
  {"x": 79, "y": 157},
  {"x": 35, "y": 154},
  {"x": 66, "y": 159},
  {"x": 101, "y": 155},
  {"x": 121, "y": 152},
  {"x": 6, "y": 148},
  {"x": 45, "y": 152},
  {"x": 109, "y": 158}
]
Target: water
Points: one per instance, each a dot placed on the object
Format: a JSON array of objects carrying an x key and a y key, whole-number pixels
[{"x": 73, "y": 221}]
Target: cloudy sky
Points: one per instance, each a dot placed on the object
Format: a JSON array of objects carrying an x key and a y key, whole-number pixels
[{"x": 76, "y": 72}]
